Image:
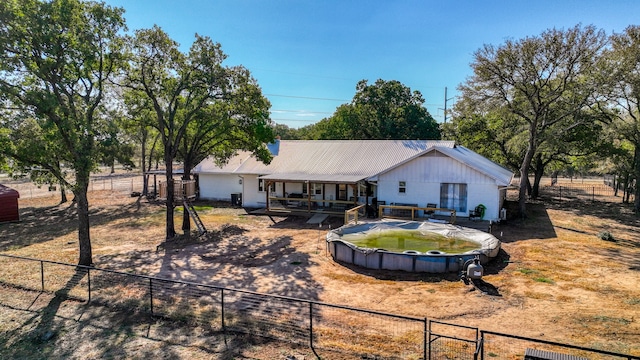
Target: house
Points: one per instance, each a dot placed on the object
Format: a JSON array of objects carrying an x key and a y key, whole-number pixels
[
  {"x": 333, "y": 175},
  {"x": 9, "y": 204}
]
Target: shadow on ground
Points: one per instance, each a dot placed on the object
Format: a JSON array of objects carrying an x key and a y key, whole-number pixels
[{"x": 58, "y": 221}]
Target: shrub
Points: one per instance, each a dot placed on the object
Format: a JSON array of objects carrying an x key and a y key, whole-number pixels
[{"x": 606, "y": 236}]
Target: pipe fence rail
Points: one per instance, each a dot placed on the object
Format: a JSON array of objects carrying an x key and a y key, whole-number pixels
[{"x": 355, "y": 332}]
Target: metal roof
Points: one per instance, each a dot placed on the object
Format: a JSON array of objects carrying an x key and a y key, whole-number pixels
[{"x": 343, "y": 160}]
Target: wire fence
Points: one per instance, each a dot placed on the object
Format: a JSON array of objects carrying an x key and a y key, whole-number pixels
[
  {"x": 122, "y": 184},
  {"x": 593, "y": 192},
  {"x": 355, "y": 333}
]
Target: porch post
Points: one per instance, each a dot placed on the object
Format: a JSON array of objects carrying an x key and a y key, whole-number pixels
[
  {"x": 267, "y": 184},
  {"x": 308, "y": 196}
]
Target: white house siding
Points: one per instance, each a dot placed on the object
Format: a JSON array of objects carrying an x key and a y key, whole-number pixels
[
  {"x": 424, "y": 175},
  {"x": 251, "y": 197},
  {"x": 218, "y": 186}
]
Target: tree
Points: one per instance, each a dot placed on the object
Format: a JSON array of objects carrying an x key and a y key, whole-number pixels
[
  {"x": 239, "y": 121},
  {"x": 285, "y": 132},
  {"x": 622, "y": 64},
  {"x": 180, "y": 87},
  {"x": 57, "y": 58},
  {"x": 113, "y": 143},
  {"x": 138, "y": 122},
  {"x": 383, "y": 110},
  {"x": 543, "y": 81}
]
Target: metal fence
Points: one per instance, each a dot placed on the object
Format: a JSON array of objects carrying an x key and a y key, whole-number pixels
[
  {"x": 600, "y": 192},
  {"x": 116, "y": 184},
  {"x": 355, "y": 333}
]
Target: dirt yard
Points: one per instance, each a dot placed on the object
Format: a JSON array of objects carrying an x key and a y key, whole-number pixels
[{"x": 555, "y": 279}]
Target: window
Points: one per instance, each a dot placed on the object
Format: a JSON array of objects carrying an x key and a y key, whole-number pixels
[
  {"x": 261, "y": 186},
  {"x": 402, "y": 187},
  {"x": 362, "y": 189},
  {"x": 453, "y": 196},
  {"x": 341, "y": 190},
  {"x": 315, "y": 189}
]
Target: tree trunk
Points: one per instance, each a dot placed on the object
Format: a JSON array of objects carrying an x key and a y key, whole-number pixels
[
  {"x": 537, "y": 177},
  {"x": 82, "y": 205},
  {"x": 186, "y": 220},
  {"x": 170, "y": 228},
  {"x": 636, "y": 170},
  {"x": 63, "y": 194},
  {"x": 143, "y": 163},
  {"x": 524, "y": 172}
]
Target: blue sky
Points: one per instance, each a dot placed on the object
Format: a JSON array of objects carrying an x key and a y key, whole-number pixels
[{"x": 308, "y": 55}]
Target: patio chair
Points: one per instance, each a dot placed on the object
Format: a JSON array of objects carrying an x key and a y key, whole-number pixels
[
  {"x": 429, "y": 213},
  {"x": 477, "y": 213}
]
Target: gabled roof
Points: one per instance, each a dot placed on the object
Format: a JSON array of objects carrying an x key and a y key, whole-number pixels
[
  {"x": 340, "y": 160},
  {"x": 500, "y": 174}
]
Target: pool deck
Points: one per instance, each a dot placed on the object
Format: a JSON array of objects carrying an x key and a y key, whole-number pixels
[{"x": 482, "y": 225}]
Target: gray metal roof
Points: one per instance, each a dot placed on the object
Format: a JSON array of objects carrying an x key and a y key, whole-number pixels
[{"x": 339, "y": 160}]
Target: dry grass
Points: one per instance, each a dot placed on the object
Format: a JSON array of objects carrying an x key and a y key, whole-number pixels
[{"x": 555, "y": 279}]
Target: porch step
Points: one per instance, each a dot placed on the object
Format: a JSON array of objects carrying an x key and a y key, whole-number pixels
[{"x": 317, "y": 218}]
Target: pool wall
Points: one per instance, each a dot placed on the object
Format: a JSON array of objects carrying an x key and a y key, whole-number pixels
[{"x": 430, "y": 262}]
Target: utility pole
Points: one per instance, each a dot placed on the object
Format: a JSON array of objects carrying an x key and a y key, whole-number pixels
[{"x": 445, "y": 104}]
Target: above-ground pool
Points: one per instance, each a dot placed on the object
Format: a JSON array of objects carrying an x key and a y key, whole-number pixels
[{"x": 410, "y": 245}]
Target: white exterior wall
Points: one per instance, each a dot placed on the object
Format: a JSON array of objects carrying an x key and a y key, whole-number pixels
[
  {"x": 219, "y": 186},
  {"x": 424, "y": 175},
  {"x": 251, "y": 197}
]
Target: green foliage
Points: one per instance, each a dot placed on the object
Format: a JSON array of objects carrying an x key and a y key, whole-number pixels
[
  {"x": 606, "y": 236},
  {"x": 545, "y": 87},
  {"x": 198, "y": 106},
  {"x": 621, "y": 72},
  {"x": 58, "y": 58},
  {"x": 383, "y": 110}
]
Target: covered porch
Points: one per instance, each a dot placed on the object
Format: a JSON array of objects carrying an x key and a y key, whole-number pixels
[{"x": 314, "y": 194}]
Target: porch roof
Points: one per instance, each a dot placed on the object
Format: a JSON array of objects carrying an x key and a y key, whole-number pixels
[{"x": 315, "y": 178}]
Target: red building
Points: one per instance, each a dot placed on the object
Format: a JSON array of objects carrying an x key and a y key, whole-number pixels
[{"x": 8, "y": 204}]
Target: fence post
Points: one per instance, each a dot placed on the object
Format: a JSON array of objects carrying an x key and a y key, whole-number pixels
[
  {"x": 89, "y": 284},
  {"x": 424, "y": 341},
  {"x": 429, "y": 342},
  {"x": 481, "y": 344},
  {"x": 311, "y": 325},
  {"x": 593, "y": 193},
  {"x": 224, "y": 328},
  {"x": 560, "y": 192},
  {"x": 42, "y": 274},
  {"x": 151, "y": 294}
]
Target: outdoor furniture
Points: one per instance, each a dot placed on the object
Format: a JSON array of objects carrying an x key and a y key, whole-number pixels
[
  {"x": 429, "y": 213},
  {"x": 477, "y": 213}
]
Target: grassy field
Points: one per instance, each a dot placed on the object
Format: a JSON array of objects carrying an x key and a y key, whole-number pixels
[{"x": 556, "y": 279}]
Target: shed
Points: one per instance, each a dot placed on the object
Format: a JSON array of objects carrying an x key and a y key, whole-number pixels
[{"x": 9, "y": 204}]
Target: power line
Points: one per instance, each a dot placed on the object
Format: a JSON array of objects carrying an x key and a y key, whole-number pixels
[
  {"x": 305, "y": 97},
  {"x": 297, "y": 120},
  {"x": 301, "y": 111}
]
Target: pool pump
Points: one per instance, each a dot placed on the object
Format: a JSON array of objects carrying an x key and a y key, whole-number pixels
[
  {"x": 471, "y": 269},
  {"x": 475, "y": 270}
]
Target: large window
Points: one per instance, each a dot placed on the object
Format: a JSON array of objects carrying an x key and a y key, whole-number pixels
[{"x": 453, "y": 196}]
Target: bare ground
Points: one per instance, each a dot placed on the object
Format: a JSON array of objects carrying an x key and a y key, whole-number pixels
[{"x": 554, "y": 280}]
